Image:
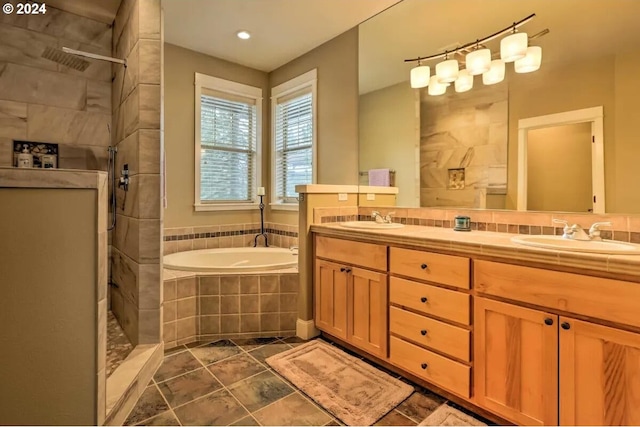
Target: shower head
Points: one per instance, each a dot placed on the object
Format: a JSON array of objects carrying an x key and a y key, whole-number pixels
[{"x": 66, "y": 59}]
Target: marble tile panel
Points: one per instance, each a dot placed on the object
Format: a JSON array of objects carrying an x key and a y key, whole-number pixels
[
  {"x": 149, "y": 326},
  {"x": 209, "y": 304},
  {"x": 293, "y": 410},
  {"x": 420, "y": 405},
  {"x": 166, "y": 418},
  {"x": 169, "y": 311},
  {"x": 149, "y": 57},
  {"x": 395, "y": 418},
  {"x": 150, "y": 241},
  {"x": 32, "y": 85},
  {"x": 249, "y": 323},
  {"x": 6, "y": 152},
  {"x": 101, "y": 399},
  {"x": 128, "y": 154},
  {"x": 175, "y": 365},
  {"x": 24, "y": 47},
  {"x": 117, "y": 302},
  {"x": 130, "y": 33},
  {"x": 13, "y": 19},
  {"x": 216, "y": 351},
  {"x": 150, "y": 404},
  {"x": 65, "y": 126},
  {"x": 188, "y": 387},
  {"x": 130, "y": 322},
  {"x": 98, "y": 97},
  {"x": 125, "y": 10},
  {"x": 126, "y": 236},
  {"x": 169, "y": 334},
  {"x": 186, "y": 328},
  {"x": 269, "y": 322},
  {"x": 216, "y": 409},
  {"x": 229, "y": 323},
  {"x": 97, "y": 70},
  {"x": 246, "y": 421},
  {"x": 13, "y": 119},
  {"x": 61, "y": 24},
  {"x": 186, "y": 287},
  {"x": 169, "y": 290},
  {"x": 187, "y": 307},
  {"x": 288, "y": 321},
  {"x": 149, "y": 286},
  {"x": 260, "y": 390},
  {"x": 125, "y": 272},
  {"x": 149, "y": 19},
  {"x": 209, "y": 324},
  {"x": 149, "y": 151},
  {"x": 209, "y": 285},
  {"x": 150, "y": 104},
  {"x": 82, "y": 157},
  {"x": 266, "y": 351},
  {"x": 128, "y": 115},
  {"x": 126, "y": 79}
]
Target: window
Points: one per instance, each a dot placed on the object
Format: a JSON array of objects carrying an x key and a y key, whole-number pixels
[
  {"x": 293, "y": 145},
  {"x": 227, "y": 133}
]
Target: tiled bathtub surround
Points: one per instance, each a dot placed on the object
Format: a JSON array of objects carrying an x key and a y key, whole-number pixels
[
  {"x": 625, "y": 228},
  {"x": 227, "y": 236},
  {"x": 198, "y": 308}
]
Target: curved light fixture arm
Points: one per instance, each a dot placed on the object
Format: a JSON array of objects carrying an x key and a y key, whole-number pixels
[{"x": 506, "y": 30}]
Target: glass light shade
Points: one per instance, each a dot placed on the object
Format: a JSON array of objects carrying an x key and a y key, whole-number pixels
[
  {"x": 464, "y": 82},
  {"x": 495, "y": 73},
  {"x": 531, "y": 62},
  {"x": 513, "y": 47},
  {"x": 447, "y": 71},
  {"x": 478, "y": 61},
  {"x": 420, "y": 76},
  {"x": 435, "y": 87}
]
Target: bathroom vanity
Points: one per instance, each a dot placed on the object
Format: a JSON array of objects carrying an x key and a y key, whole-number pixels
[{"x": 532, "y": 336}]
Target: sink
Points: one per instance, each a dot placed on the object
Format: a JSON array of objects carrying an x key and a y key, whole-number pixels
[
  {"x": 371, "y": 225},
  {"x": 590, "y": 246}
]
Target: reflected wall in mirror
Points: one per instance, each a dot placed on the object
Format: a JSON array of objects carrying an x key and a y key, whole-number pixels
[{"x": 590, "y": 57}]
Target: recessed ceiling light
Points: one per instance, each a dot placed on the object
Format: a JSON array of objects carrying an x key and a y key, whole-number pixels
[{"x": 244, "y": 35}]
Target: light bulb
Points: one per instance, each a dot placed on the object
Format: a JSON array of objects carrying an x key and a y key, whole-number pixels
[
  {"x": 435, "y": 87},
  {"x": 464, "y": 82},
  {"x": 447, "y": 71},
  {"x": 495, "y": 73},
  {"x": 478, "y": 61},
  {"x": 531, "y": 62},
  {"x": 513, "y": 47},
  {"x": 420, "y": 76},
  {"x": 244, "y": 35}
]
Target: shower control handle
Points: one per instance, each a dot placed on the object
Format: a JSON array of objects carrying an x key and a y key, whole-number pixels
[{"x": 124, "y": 178}]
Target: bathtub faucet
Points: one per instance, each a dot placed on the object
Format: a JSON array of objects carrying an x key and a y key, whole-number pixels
[{"x": 255, "y": 240}]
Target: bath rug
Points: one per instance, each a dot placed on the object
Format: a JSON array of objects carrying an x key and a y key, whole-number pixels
[
  {"x": 445, "y": 415},
  {"x": 350, "y": 389}
]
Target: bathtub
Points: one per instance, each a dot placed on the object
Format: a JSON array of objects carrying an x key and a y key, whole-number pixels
[{"x": 232, "y": 260}]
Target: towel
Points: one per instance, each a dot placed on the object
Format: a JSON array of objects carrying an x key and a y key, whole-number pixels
[{"x": 379, "y": 177}]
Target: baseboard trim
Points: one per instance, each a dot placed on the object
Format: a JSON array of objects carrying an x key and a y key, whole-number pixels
[{"x": 306, "y": 329}]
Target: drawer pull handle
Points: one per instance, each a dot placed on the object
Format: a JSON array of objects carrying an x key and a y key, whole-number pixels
[
  {"x": 548, "y": 321},
  {"x": 565, "y": 325},
  {"x": 423, "y": 299},
  {"x": 423, "y": 332},
  {"x": 424, "y": 266},
  {"x": 423, "y": 366}
]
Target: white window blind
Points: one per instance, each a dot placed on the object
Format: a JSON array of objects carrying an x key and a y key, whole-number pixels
[
  {"x": 293, "y": 143},
  {"x": 227, "y": 147}
]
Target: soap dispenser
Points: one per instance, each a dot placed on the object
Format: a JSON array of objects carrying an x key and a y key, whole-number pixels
[{"x": 25, "y": 159}]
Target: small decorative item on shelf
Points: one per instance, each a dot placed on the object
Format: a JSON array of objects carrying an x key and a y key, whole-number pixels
[
  {"x": 27, "y": 154},
  {"x": 462, "y": 223}
]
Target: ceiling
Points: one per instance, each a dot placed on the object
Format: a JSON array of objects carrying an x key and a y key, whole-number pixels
[
  {"x": 578, "y": 29},
  {"x": 281, "y": 30}
]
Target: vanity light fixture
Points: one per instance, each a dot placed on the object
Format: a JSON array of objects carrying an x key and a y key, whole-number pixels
[
  {"x": 244, "y": 35},
  {"x": 420, "y": 76},
  {"x": 513, "y": 48}
]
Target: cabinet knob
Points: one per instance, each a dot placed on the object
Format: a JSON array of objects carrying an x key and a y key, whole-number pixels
[
  {"x": 348, "y": 270},
  {"x": 424, "y": 266},
  {"x": 423, "y": 366},
  {"x": 423, "y": 332},
  {"x": 565, "y": 325},
  {"x": 423, "y": 299},
  {"x": 548, "y": 321},
  {"x": 342, "y": 269}
]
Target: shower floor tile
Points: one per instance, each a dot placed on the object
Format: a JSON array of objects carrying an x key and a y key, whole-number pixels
[
  {"x": 118, "y": 345},
  {"x": 227, "y": 382}
]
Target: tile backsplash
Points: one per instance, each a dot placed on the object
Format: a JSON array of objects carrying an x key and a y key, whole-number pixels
[{"x": 624, "y": 228}]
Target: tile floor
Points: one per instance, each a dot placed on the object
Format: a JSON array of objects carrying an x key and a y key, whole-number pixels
[
  {"x": 227, "y": 382},
  {"x": 118, "y": 345}
]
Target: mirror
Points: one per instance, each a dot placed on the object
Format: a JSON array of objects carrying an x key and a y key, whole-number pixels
[{"x": 461, "y": 149}]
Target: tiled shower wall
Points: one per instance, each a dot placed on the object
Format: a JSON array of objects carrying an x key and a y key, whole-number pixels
[
  {"x": 43, "y": 101},
  {"x": 136, "y": 241},
  {"x": 182, "y": 239}
]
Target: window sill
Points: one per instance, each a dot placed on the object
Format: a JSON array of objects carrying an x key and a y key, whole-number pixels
[
  {"x": 284, "y": 206},
  {"x": 203, "y": 207}
]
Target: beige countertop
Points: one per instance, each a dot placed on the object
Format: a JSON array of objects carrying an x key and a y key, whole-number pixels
[
  {"x": 11, "y": 177},
  {"x": 487, "y": 244}
]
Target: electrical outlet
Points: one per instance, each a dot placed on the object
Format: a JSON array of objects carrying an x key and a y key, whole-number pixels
[
  {"x": 342, "y": 197},
  {"x": 371, "y": 196}
]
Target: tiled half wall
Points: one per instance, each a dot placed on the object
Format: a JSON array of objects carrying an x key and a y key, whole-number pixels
[
  {"x": 625, "y": 228},
  {"x": 227, "y": 236},
  {"x": 210, "y": 307}
]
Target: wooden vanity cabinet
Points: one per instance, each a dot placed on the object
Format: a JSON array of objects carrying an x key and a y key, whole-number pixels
[
  {"x": 351, "y": 302},
  {"x": 538, "y": 368}
]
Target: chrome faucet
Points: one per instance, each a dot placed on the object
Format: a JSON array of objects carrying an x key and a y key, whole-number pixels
[
  {"x": 382, "y": 219},
  {"x": 576, "y": 232}
]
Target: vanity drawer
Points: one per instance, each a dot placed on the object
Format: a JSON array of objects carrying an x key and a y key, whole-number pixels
[
  {"x": 449, "y": 339},
  {"x": 431, "y": 300},
  {"x": 446, "y": 269},
  {"x": 355, "y": 253},
  {"x": 606, "y": 299},
  {"x": 430, "y": 366}
]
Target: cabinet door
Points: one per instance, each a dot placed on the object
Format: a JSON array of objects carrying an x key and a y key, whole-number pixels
[
  {"x": 599, "y": 375},
  {"x": 516, "y": 362},
  {"x": 368, "y": 305},
  {"x": 331, "y": 298}
]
